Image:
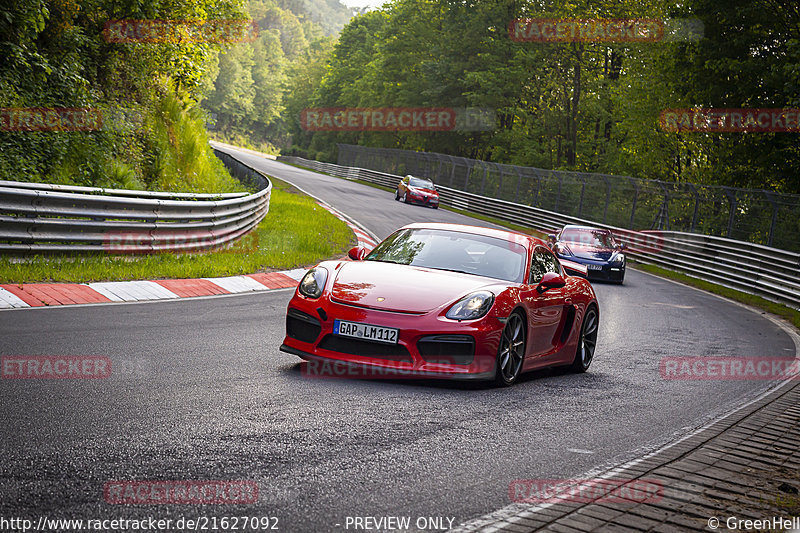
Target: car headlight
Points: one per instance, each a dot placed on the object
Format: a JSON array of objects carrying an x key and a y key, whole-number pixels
[
  {"x": 618, "y": 259},
  {"x": 313, "y": 282},
  {"x": 472, "y": 306}
]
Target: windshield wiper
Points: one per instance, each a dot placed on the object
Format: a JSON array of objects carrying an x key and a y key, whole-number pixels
[
  {"x": 386, "y": 261},
  {"x": 453, "y": 270}
]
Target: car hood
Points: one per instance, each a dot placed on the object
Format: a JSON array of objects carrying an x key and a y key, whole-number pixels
[
  {"x": 592, "y": 253},
  {"x": 423, "y": 191},
  {"x": 392, "y": 287}
]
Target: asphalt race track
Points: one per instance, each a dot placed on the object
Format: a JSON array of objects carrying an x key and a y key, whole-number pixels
[{"x": 199, "y": 391}]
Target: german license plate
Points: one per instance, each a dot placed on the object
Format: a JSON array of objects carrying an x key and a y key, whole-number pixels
[
  {"x": 594, "y": 267},
  {"x": 365, "y": 332}
]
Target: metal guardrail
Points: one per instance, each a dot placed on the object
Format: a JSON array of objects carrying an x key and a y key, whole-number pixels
[
  {"x": 39, "y": 218},
  {"x": 751, "y": 215},
  {"x": 752, "y": 268}
]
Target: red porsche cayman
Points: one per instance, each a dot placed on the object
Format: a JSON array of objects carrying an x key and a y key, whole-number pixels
[{"x": 446, "y": 301}]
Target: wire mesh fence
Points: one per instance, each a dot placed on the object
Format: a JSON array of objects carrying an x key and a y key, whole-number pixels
[{"x": 750, "y": 215}]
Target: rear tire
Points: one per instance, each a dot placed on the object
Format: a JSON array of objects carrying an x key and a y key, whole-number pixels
[
  {"x": 511, "y": 352},
  {"x": 587, "y": 341}
]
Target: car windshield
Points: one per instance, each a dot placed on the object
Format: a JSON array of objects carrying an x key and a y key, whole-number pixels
[
  {"x": 588, "y": 237},
  {"x": 454, "y": 251},
  {"x": 421, "y": 183}
]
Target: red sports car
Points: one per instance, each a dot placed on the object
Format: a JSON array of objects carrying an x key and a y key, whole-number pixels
[
  {"x": 417, "y": 191},
  {"x": 446, "y": 301}
]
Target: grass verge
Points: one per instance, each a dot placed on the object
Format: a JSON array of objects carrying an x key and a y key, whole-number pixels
[
  {"x": 296, "y": 232},
  {"x": 792, "y": 315}
]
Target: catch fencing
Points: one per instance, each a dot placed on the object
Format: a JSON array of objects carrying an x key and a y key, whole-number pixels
[
  {"x": 41, "y": 218},
  {"x": 757, "y": 216},
  {"x": 748, "y": 267}
]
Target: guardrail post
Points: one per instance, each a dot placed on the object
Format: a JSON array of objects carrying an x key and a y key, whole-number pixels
[
  {"x": 500, "y": 181},
  {"x": 771, "y": 198},
  {"x": 558, "y": 193},
  {"x": 731, "y": 194},
  {"x": 635, "y": 197},
  {"x": 696, "y": 206},
  {"x": 663, "y": 213},
  {"x": 452, "y": 170}
]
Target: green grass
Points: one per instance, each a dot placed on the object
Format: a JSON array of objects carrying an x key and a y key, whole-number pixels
[
  {"x": 792, "y": 315},
  {"x": 295, "y": 233}
]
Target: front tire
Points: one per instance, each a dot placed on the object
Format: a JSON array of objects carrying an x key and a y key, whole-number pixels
[
  {"x": 397, "y": 195},
  {"x": 587, "y": 342},
  {"x": 405, "y": 197},
  {"x": 511, "y": 352}
]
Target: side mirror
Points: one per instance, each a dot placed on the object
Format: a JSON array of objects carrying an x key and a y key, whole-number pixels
[
  {"x": 550, "y": 280},
  {"x": 357, "y": 253}
]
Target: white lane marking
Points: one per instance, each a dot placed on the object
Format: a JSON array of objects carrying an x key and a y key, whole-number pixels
[
  {"x": 126, "y": 291},
  {"x": 296, "y": 274},
  {"x": 676, "y": 306},
  {"x": 327, "y": 205},
  {"x": 512, "y": 512},
  {"x": 237, "y": 284},
  {"x": 9, "y": 300},
  {"x": 579, "y": 450}
]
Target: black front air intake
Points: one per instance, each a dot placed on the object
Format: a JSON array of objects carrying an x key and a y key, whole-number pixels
[
  {"x": 378, "y": 350},
  {"x": 447, "y": 349},
  {"x": 301, "y": 326}
]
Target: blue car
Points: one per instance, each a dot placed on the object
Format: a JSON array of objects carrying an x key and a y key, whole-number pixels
[{"x": 593, "y": 248}]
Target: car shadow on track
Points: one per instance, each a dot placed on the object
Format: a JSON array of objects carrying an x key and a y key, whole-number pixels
[{"x": 299, "y": 371}]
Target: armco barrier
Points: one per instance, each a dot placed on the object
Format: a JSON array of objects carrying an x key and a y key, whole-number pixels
[
  {"x": 751, "y": 215},
  {"x": 37, "y": 218},
  {"x": 752, "y": 268}
]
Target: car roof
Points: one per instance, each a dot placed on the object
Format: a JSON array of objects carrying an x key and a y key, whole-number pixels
[
  {"x": 590, "y": 228},
  {"x": 526, "y": 240}
]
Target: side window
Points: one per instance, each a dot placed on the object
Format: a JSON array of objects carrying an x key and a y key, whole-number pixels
[
  {"x": 542, "y": 263},
  {"x": 552, "y": 263},
  {"x": 538, "y": 266}
]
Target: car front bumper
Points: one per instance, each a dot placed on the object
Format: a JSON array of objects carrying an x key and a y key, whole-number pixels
[{"x": 428, "y": 345}]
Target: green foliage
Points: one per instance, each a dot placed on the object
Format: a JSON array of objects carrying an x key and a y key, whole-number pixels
[
  {"x": 255, "y": 93},
  {"x": 575, "y": 106},
  {"x": 55, "y": 55}
]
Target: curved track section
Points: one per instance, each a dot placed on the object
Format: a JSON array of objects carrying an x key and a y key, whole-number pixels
[{"x": 199, "y": 390}]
